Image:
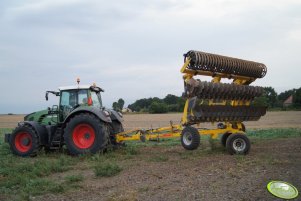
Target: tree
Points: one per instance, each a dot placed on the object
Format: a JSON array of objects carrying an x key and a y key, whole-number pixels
[
  {"x": 297, "y": 97},
  {"x": 170, "y": 99},
  {"x": 120, "y": 103},
  {"x": 156, "y": 107},
  {"x": 261, "y": 101},
  {"x": 115, "y": 106},
  {"x": 118, "y": 106},
  {"x": 271, "y": 95}
]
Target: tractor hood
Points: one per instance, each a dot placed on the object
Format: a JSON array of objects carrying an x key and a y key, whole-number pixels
[{"x": 35, "y": 116}]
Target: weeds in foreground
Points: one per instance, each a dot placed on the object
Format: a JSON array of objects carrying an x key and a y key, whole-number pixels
[
  {"x": 107, "y": 169},
  {"x": 159, "y": 158},
  {"x": 74, "y": 178}
]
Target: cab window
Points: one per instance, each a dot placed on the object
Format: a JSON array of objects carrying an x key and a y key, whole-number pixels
[{"x": 83, "y": 97}]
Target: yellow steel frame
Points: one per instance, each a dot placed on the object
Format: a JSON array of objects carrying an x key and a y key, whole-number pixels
[{"x": 174, "y": 131}]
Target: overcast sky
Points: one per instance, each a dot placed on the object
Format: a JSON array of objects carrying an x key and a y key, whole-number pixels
[{"x": 134, "y": 48}]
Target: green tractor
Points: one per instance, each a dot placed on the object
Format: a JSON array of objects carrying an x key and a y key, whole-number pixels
[{"x": 79, "y": 121}]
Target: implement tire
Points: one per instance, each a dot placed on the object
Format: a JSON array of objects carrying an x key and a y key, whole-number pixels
[
  {"x": 224, "y": 138},
  {"x": 190, "y": 138},
  {"x": 238, "y": 144},
  {"x": 85, "y": 133},
  {"x": 24, "y": 141}
]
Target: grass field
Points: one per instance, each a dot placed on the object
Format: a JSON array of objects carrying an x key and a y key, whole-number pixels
[{"x": 155, "y": 171}]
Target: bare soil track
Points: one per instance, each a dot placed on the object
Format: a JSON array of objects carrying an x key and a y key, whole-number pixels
[{"x": 171, "y": 173}]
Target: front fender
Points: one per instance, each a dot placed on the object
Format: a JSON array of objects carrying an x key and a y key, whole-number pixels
[
  {"x": 41, "y": 131},
  {"x": 96, "y": 111}
]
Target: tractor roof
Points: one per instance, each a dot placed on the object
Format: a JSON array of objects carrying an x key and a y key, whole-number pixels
[
  {"x": 92, "y": 87},
  {"x": 74, "y": 87}
]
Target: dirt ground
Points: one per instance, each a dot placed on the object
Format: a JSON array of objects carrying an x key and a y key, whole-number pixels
[
  {"x": 171, "y": 173},
  {"x": 283, "y": 119}
]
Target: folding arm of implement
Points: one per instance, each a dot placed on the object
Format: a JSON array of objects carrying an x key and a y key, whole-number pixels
[
  {"x": 221, "y": 102},
  {"x": 213, "y": 102}
]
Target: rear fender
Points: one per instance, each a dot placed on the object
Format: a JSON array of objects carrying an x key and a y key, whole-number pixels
[
  {"x": 116, "y": 116},
  {"x": 96, "y": 111}
]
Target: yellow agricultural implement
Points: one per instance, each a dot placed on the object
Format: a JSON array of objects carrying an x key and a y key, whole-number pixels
[{"x": 214, "y": 102}]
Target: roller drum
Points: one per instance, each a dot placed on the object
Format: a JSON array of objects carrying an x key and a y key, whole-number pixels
[{"x": 223, "y": 64}]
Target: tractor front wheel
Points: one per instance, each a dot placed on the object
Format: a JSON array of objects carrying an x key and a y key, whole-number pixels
[
  {"x": 85, "y": 133},
  {"x": 190, "y": 138},
  {"x": 24, "y": 141}
]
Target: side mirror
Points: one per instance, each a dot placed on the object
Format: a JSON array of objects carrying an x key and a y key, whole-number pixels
[{"x": 46, "y": 96}]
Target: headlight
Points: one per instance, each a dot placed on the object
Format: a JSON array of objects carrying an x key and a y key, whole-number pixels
[{"x": 120, "y": 114}]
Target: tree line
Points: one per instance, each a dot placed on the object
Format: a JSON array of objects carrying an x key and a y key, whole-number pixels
[
  {"x": 173, "y": 103},
  {"x": 272, "y": 100},
  {"x": 170, "y": 103}
]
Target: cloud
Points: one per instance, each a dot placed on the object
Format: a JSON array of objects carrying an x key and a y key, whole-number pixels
[{"x": 134, "y": 48}]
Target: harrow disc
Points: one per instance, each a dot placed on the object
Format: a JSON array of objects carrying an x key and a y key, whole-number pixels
[
  {"x": 227, "y": 65},
  {"x": 221, "y": 91},
  {"x": 216, "y": 113}
]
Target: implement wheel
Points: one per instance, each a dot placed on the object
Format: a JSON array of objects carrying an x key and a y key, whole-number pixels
[
  {"x": 24, "y": 141},
  {"x": 85, "y": 133},
  {"x": 238, "y": 144},
  {"x": 224, "y": 138},
  {"x": 190, "y": 138}
]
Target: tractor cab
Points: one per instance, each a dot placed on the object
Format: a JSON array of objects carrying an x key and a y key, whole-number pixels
[{"x": 72, "y": 97}]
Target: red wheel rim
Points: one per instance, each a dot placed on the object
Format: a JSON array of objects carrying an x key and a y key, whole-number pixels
[
  {"x": 83, "y": 136},
  {"x": 23, "y": 142}
]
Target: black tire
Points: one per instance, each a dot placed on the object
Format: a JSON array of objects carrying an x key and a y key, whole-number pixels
[
  {"x": 238, "y": 144},
  {"x": 24, "y": 141},
  {"x": 116, "y": 127},
  {"x": 190, "y": 138},
  {"x": 85, "y": 133},
  {"x": 243, "y": 127},
  {"x": 224, "y": 138}
]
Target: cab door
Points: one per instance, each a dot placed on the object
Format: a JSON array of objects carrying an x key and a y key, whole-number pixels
[{"x": 70, "y": 100}]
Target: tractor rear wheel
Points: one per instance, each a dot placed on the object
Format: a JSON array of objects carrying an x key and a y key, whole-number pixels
[
  {"x": 190, "y": 138},
  {"x": 238, "y": 143},
  {"x": 24, "y": 141},
  {"x": 85, "y": 133}
]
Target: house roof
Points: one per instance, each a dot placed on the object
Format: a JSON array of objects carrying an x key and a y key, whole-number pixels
[{"x": 289, "y": 100}]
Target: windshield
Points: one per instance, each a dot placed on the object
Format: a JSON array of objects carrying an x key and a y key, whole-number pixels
[{"x": 96, "y": 99}]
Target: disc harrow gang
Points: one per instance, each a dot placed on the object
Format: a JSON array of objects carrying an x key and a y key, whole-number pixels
[
  {"x": 221, "y": 91},
  {"x": 226, "y": 65},
  {"x": 226, "y": 113}
]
